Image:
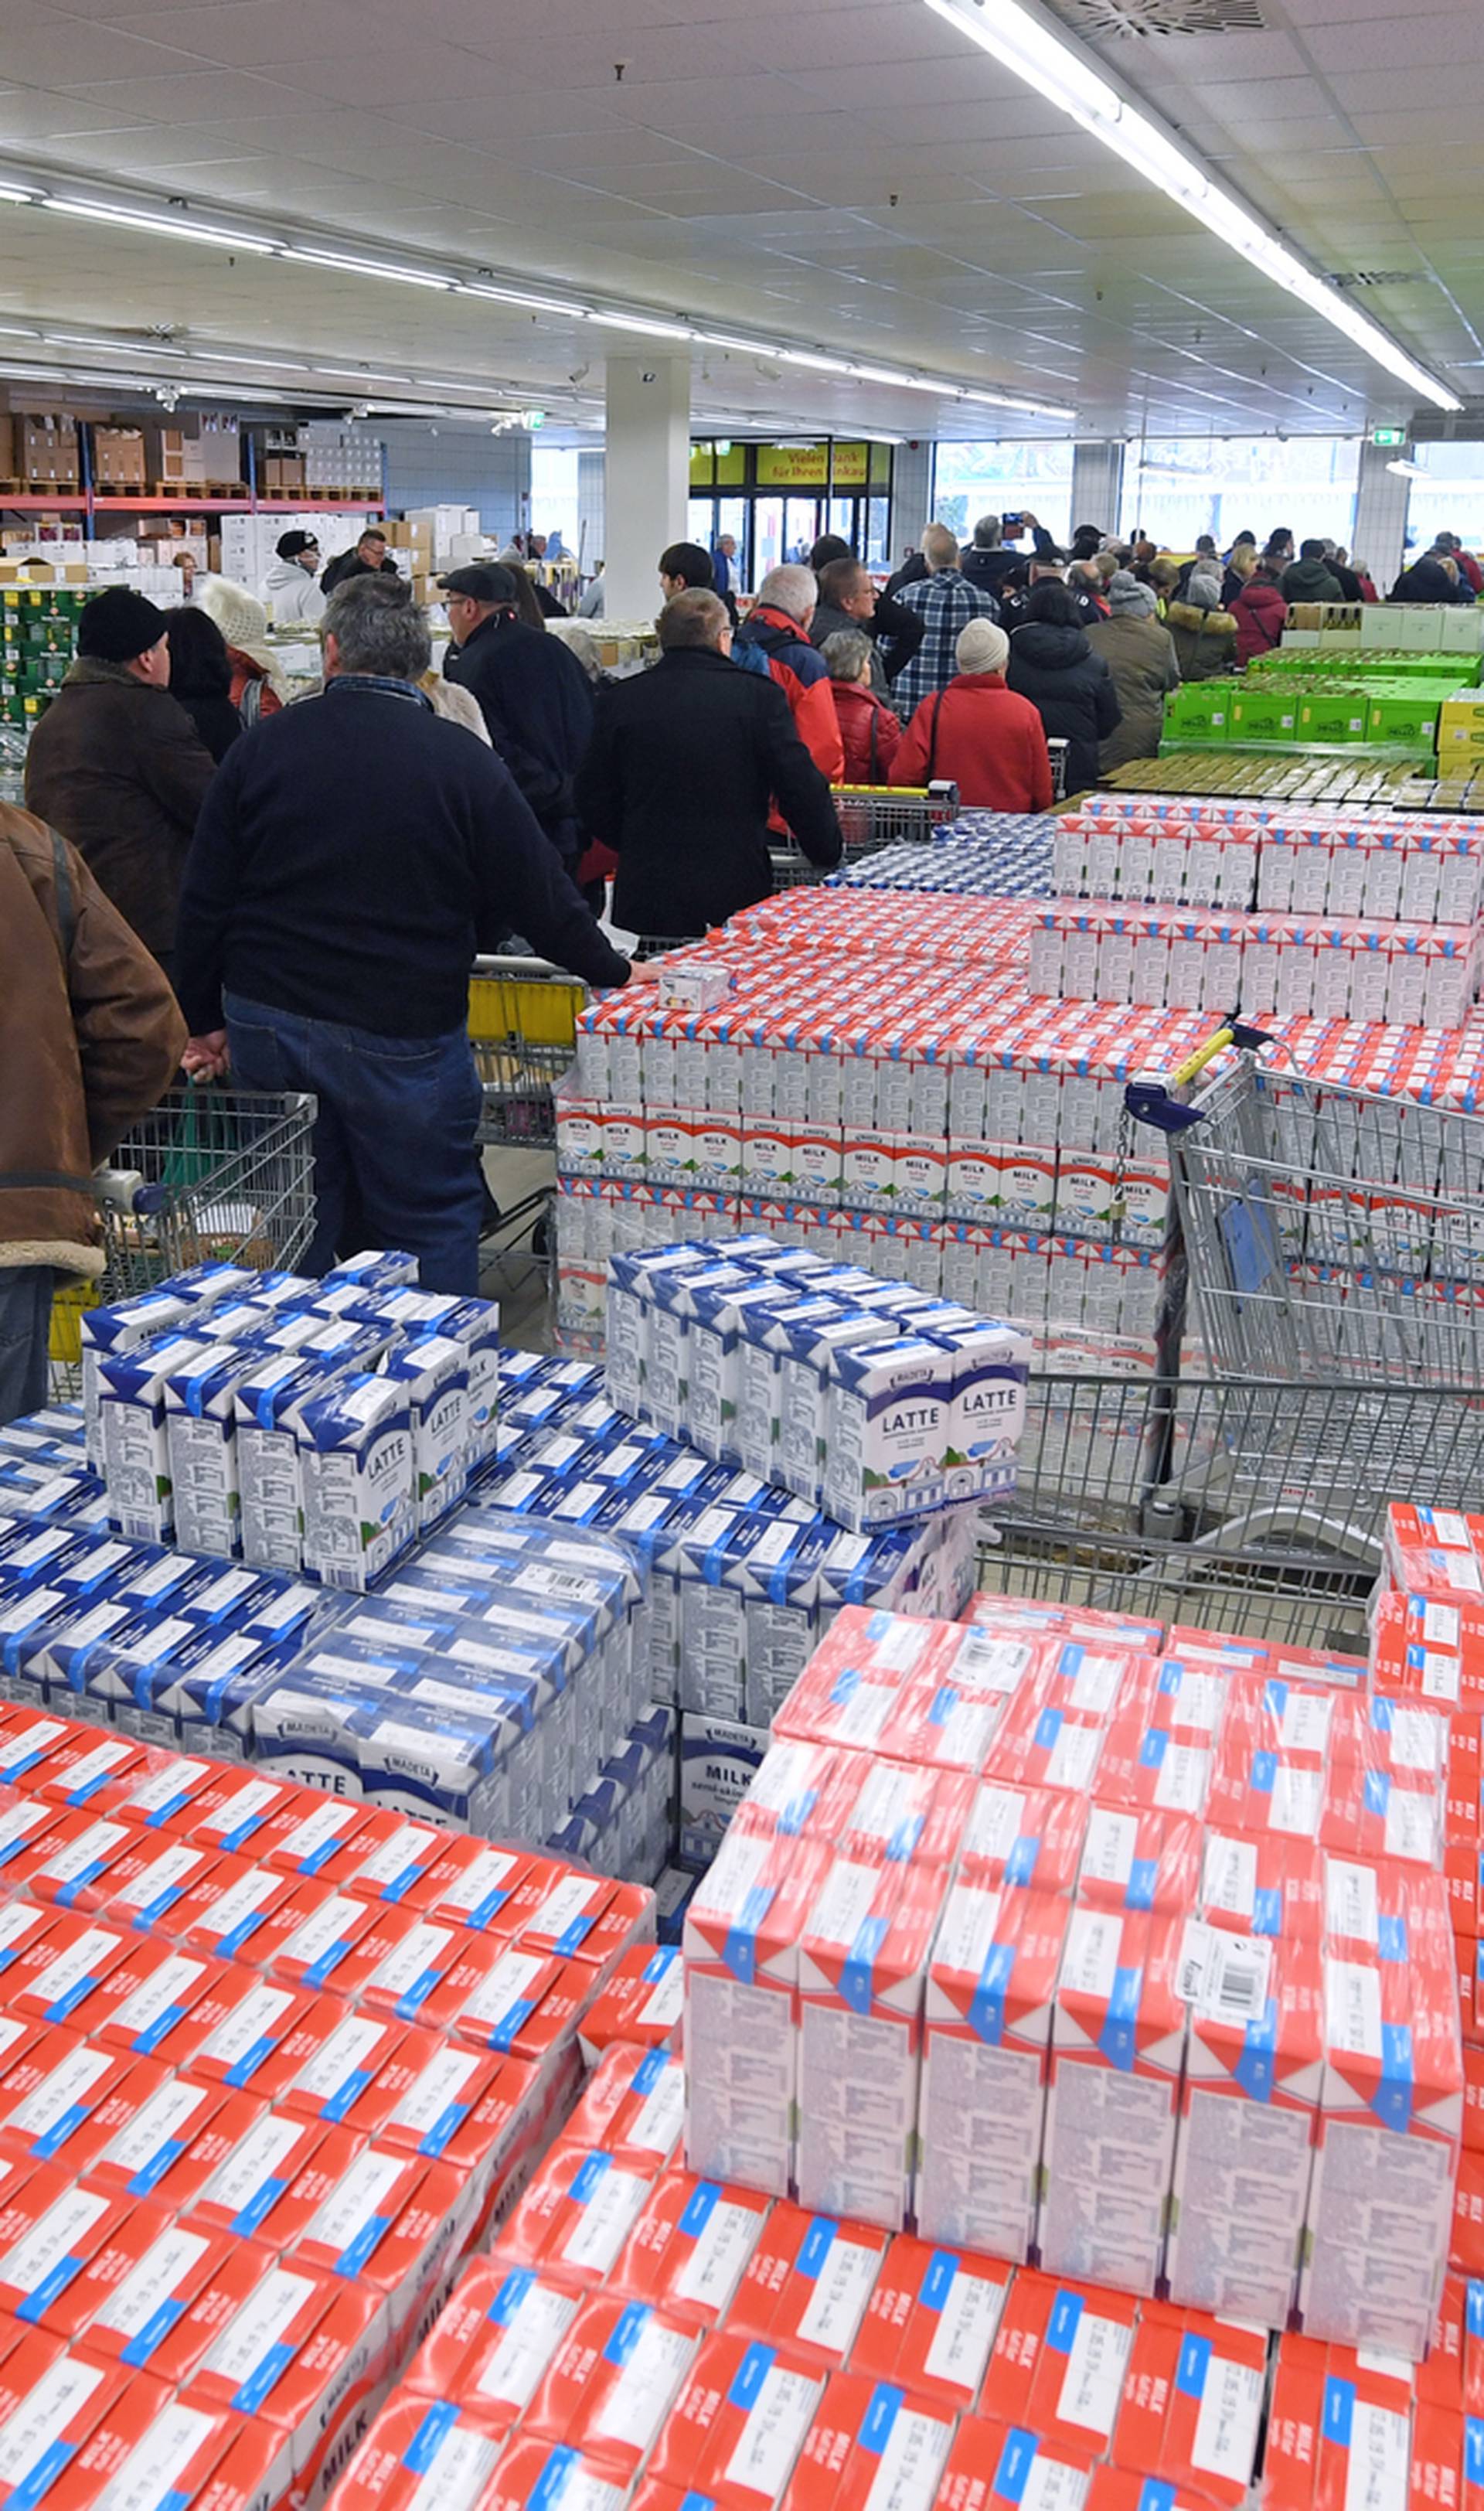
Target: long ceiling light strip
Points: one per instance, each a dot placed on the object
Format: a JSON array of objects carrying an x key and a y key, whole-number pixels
[
  {"x": 1063, "y": 73},
  {"x": 607, "y": 317}
]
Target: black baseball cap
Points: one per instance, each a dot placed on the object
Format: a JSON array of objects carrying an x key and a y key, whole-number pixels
[
  {"x": 294, "y": 543},
  {"x": 491, "y": 583}
]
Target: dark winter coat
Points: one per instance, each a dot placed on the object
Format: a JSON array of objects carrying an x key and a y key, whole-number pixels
[
  {"x": 537, "y": 703},
  {"x": 684, "y": 762},
  {"x": 1071, "y": 689},
  {"x": 116, "y": 765}
]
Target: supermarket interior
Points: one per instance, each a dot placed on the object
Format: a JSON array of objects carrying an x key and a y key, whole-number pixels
[{"x": 741, "y": 1256}]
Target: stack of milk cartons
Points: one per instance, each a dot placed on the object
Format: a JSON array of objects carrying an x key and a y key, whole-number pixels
[
  {"x": 744, "y": 1580},
  {"x": 313, "y": 1425},
  {"x": 488, "y": 1685},
  {"x": 1172, "y": 1992},
  {"x": 855, "y": 1395}
]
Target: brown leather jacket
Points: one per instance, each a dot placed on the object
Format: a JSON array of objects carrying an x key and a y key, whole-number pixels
[
  {"x": 90, "y": 1040},
  {"x": 118, "y": 767}
]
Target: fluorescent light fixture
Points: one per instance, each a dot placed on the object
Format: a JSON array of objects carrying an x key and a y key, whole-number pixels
[
  {"x": 519, "y": 296},
  {"x": 1407, "y": 470},
  {"x": 650, "y": 325},
  {"x": 1063, "y": 73},
  {"x": 363, "y": 269},
  {"x": 112, "y": 348},
  {"x": 185, "y": 230},
  {"x": 359, "y": 375},
  {"x": 25, "y": 196},
  {"x": 220, "y": 358}
]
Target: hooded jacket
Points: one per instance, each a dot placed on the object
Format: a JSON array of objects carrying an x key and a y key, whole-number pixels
[
  {"x": 1140, "y": 656},
  {"x": 1204, "y": 640},
  {"x": 1071, "y": 689},
  {"x": 1309, "y": 579},
  {"x": 90, "y": 1039},
  {"x": 293, "y": 596},
  {"x": 1260, "y": 612},
  {"x": 800, "y": 672},
  {"x": 116, "y": 765},
  {"x": 990, "y": 742}
]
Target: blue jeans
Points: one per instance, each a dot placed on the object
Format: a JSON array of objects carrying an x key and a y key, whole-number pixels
[
  {"x": 394, "y": 1141},
  {"x": 25, "y": 1321}
]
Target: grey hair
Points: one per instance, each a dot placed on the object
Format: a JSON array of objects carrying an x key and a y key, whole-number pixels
[
  {"x": 986, "y": 532},
  {"x": 939, "y": 547},
  {"x": 378, "y": 628},
  {"x": 695, "y": 617},
  {"x": 845, "y": 653},
  {"x": 792, "y": 589}
]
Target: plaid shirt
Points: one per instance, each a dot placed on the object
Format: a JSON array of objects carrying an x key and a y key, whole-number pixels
[{"x": 947, "y": 603}]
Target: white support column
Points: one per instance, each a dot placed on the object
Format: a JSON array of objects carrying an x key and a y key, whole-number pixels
[
  {"x": 911, "y": 474},
  {"x": 1097, "y": 483},
  {"x": 589, "y": 508},
  {"x": 647, "y": 475},
  {"x": 1381, "y": 499}
]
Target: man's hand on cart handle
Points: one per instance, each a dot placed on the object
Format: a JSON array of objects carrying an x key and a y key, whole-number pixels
[
  {"x": 643, "y": 972},
  {"x": 206, "y": 1058}
]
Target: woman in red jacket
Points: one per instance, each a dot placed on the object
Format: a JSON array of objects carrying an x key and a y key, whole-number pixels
[
  {"x": 869, "y": 729},
  {"x": 979, "y": 732},
  {"x": 1260, "y": 612}
]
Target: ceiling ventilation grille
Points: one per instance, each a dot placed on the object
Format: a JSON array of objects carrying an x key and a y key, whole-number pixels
[
  {"x": 1102, "y": 19},
  {"x": 1381, "y": 278}
]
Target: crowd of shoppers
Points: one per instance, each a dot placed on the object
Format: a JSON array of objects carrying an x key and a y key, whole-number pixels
[{"x": 313, "y": 879}]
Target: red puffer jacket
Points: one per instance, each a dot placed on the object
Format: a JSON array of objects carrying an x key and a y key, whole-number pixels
[
  {"x": 1258, "y": 611},
  {"x": 869, "y": 731}
]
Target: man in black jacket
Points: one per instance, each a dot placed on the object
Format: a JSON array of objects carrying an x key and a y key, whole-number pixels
[
  {"x": 533, "y": 693},
  {"x": 684, "y": 762},
  {"x": 369, "y": 557},
  {"x": 352, "y": 855}
]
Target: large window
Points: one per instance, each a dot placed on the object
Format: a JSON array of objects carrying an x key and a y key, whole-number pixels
[
  {"x": 1000, "y": 479},
  {"x": 1176, "y": 487},
  {"x": 1450, "y": 497}
]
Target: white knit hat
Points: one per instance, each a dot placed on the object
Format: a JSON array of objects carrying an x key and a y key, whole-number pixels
[
  {"x": 981, "y": 648},
  {"x": 243, "y": 624}
]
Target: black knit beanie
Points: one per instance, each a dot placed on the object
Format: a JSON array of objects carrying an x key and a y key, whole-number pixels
[{"x": 117, "y": 625}]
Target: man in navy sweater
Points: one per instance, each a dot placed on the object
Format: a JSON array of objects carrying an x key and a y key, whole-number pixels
[{"x": 352, "y": 855}]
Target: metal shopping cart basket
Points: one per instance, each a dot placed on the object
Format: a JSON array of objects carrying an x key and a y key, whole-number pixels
[
  {"x": 872, "y": 817},
  {"x": 522, "y": 1027},
  {"x": 1322, "y": 1345},
  {"x": 209, "y": 1174}
]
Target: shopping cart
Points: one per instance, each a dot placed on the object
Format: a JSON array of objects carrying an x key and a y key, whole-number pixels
[
  {"x": 871, "y": 817},
  {"x": 522, "y": 1027},
  {"x": 1326, "y": 1257},
  {"x": 1253, "y": 1508},
  {"x": 209, "y": 1174}
]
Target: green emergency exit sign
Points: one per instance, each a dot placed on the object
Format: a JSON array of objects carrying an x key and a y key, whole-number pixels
[{"x": 1388, "y": 436}]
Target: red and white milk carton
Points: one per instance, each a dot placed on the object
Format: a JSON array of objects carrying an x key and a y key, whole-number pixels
[
  {"x": 1031, "y": 1838},
  {"x": 1248, "y": 2114},
  {"x": 932, "y": 2320},
  {"x": 808, "y": 2284},
  {"x": 743, "y": 1930},
  {"x": 871, "y": 2441},
  {"x": 1117, "y": 2048},
  {"x": 418, "y": 2450},
  {"x": 1390, "y": 2112},
  {"x": 990, "y": 1998},
  {"x": 691, "y": 2246},
  {"x": 633, "y": 2107},
  {"x": 577, "y": 2215},
  {"x": 140, "y": 2281},
  {"x": 994, "y": 2465},
  {"x": 612, "y": 2381},
  {"x": 1193, "y": 2401},
  {"x": 738, "y": 2427},
  {"x": 862, "y": 1967}
]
